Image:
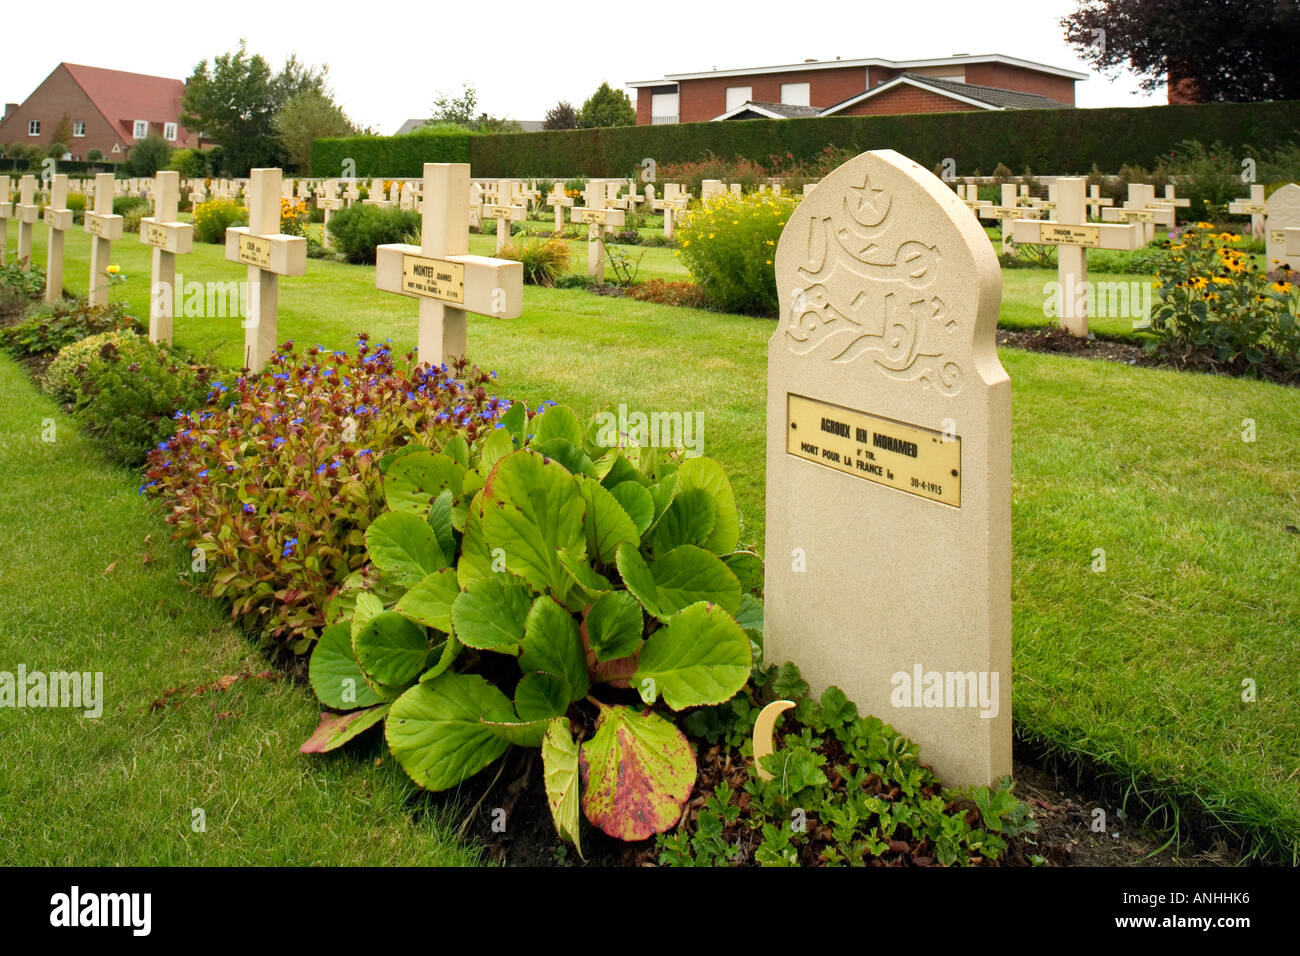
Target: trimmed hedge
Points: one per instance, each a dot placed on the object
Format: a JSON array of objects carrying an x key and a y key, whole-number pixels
[
  {"x": 391, "y": 156},
  {"x": 1047, "y": 141}
]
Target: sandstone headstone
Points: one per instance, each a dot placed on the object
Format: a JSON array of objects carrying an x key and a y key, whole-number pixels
[
  {"x": 888, "y": 559},
  {"x": 169, "y": 238},
  {"x": 1283, "y": 214},
  {"x": 104, "y": 228}
]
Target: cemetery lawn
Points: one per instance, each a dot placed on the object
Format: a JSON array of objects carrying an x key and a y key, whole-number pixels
[
  {"x": 1135, "y": 672},
  {"x": 90, "y": 581}
]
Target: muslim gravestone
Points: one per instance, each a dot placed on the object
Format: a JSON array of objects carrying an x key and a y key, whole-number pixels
[{"x": 889, "y": 462}]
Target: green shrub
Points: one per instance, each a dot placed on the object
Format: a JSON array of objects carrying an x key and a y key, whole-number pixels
[
  {"x": 864, "y": 794},
  {"x": 124, "y": 204},
  {"x": 18, "y": 287},
  {"x": 545, "y": 260},
  {"x": 729, "y": 244},
  {"x": 132, "y": 217},
  {"x": 574, "y": 280},
  {"x": 392, "y": 156},
  {"x": 60, "y": 379},
  {"x": 48, "y": 328},
  {"x": 77, "y": 203},
  {"x": 358, "y": 229},
  {"x": 280, "y": 511},
  {"x": 190, "y": 163},
  {"x": 214, "y": 217},
  {"x": 574, "y": 584},
  {"x": 129, "y": 389},
  {"x": 1220, "y": 311}
]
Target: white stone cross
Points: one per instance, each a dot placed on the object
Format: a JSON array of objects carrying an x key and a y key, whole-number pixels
[
  {"x": 59, "y": 218},
  {"x": 504, "y": 213},
  {"x": 440, "y": 273},
  {"x": 198, "y": 193},
  {"x": 104, "y": 228},
  {"x": 1073, "y": 236},
  {"x": 970, "y": 195},
  {"x": 1006, "y": 213},
  {"x": 558, "y": 200},
  {"x": 28, "y": 212},
  {"x": 1140, "y": 208},
  {"x": 269, "y": 254},
  {"x": 598, "y": 220},
  {"x": 6, "y": 213},
  {"x": 169, "y": 238},
  {"x": 352, "y": 193},
  {"x": 375, "y": 196},
  {"x": 1096, "y": 203},
  {"x": 329, "y": 201},
  {"x": 1254, "y": 207},
  {"x": 670, "y": 206}
]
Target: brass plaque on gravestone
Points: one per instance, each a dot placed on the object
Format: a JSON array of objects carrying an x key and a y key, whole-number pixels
[
  {"x": 434, "y": 278},
  {"x": 1070, "y": 235},
  {"x": 919, "y": 461},
  {"x": 1277, "y": 235},
  {"x": 590, "y": 215},
  {"x": 254, "y": 251},
  {"x": 1252, "y": 209},
  {"x": 94, "y": 225},
  {"x": 153, "y": 234},
  {"x": 1134, "y": 215}
]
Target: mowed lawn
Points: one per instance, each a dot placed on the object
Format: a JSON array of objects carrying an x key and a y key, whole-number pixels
[
  {"x": 1138, "y": 668},
  {"x": 89, "y": 581}
]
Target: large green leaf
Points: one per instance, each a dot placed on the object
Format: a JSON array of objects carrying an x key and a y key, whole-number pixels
[
  {"x": 750, "y": 615},
  {"x": 367, "y": 606},
  {"x": 573, "y": 458},
  {"x": 636, "y": 501},
  {"x": 532, "y": 509},
  {"x": 560, "y": 773},
  {"x": 689, "y": 519},
  {"x": 430, "y": 601},
  {"x": 457, "y": 449},
  {"x": 450, "y": 648},
  {"x": 334, "y": 672},
  {"x": 391, "y": 650},
  {"x": 515, "y": 420},
  {"x": 614, "y": 624},
  {"x": 436, "y": 730},
  {"x": 552, "y": 645},
  {"x": 682, "y": 577},
  {"x": 403, "y": 546},
  {"x": 707, "y": 474},
  {"x": 591, "y": 582},
  {"x": 747, "y": 567},
  {"x": 441, "y": 521},
  {"x": 475, "y": 562},
  {"x": 539, "y": 696},
  {"x": 558, "y": 421},
  {"x": 335, "y": 730},
  {"x": 701, "y": 657},
  {"x": 617, "y": 470},
  {"x": 606, "y": 524},
  {"x": 637, "y": 771},
  {"x": 415, "y": 480},
  {"x": 521, "y": 733},
  {"x": 490, "y": 615},
  {"x": 496, "y": 446}
]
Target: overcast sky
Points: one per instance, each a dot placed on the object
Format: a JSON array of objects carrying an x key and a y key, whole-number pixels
[{"x": 388, "y": 61}]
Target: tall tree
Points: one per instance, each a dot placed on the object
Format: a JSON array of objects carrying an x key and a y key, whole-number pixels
[
  {"x": 306, "y": 117},
  {"x": 235, "y": 99},
  {"x": 1213, "y": 49},
  {"x": 448, "y": 108},
  {"x": 607, "y": 107},
  {"x": 561, "y": 116}
]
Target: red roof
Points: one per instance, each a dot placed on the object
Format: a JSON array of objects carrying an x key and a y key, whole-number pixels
[{"x": 125, "y": 97}]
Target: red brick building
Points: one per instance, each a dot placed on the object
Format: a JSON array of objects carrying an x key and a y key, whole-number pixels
[
  {"x": 92, "y": 108},
  {"x": 856, "y": 87}
]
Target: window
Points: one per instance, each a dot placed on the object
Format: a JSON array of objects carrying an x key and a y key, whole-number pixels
[
  {"x": 663, "y": 108},
  {"x": 738, "y": 96},
  {"x": 33, "y": 127},
  {"x": 141, "y": 129},
  {"x": 796, "y": 94},
  {"x": 79, "y": 128},
  {"x": 169, "y": 132}
]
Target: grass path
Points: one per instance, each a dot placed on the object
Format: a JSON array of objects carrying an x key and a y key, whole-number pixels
[{"x": 89, "y": 581}]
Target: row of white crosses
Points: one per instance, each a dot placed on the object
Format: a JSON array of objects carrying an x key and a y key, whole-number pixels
[
  {"x": 1254, "y": 207},
  {"x": 599, "y": 219}
]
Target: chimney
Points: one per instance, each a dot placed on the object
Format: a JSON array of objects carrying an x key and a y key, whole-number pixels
[
  {"x": 810, "y": 59},
  {"x": 9, "y": 108}
]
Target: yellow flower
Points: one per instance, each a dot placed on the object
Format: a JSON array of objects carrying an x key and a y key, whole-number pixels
[
  {"x": 1282, "y": 287},
  {"x": 1221, "y": 280},
  {"x": 1199, "y": 282},
  {"x": 1205, "y": 225},
  {"x": 686, "y": 242},
  {"x": 113, "y": 270}
]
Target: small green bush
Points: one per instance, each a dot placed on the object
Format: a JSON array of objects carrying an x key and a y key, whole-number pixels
[
  {"x": 77, "y": 203},
  {"x": 358, "y": 229},
  {"x": 124, "y": 204},
  {"x": 49, "y": 328},
  {"x": 60, "y": 379},
  {"x": 18, "y": 288},
  {"x": 131, "y": 220},
  {"x": 545, "y": 260},
  {"x": 213, "y": 218},
  {"x": 575, "y": 280},
  {"x": 729, "y": 245},
  {"x": 129, "y": 389}
]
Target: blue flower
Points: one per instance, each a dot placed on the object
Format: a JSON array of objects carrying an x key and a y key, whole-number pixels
[
  {"x": 277, "y": 443},
  {"x": 203, "y": 473},
  {"x": 440, "y": 417},
  {"x": 364, "y": 451},
  {"x": 249, "y": 509},
  {"x": 327, "y": 371},
  {"x": 320, "y": 469},
  {"x": 296, "y": 421},
  {"x": 288, "y": 548},
  {"x": 164, "y": 445}
]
